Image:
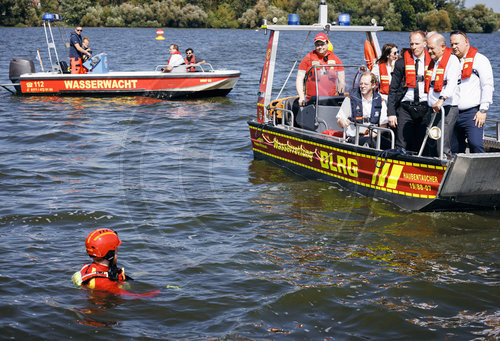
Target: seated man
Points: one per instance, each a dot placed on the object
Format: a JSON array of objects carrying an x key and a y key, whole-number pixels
[
  {"x": 367, "y": 107},
  {"x": 175, "y": 59},
  {"x": 191, "y": 61}
]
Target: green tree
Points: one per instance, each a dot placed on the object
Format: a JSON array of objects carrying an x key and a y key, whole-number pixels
[
  {"x": 308, "y": 12},
  {"x": 407, "y": 12},
  {"x": 73, "y": 11},
  {"x": 434, "y": 21},
  {"x": 391, "y": 20},
  {"x": 18, "y": 13},
  {"x": 222, "y": 17}
]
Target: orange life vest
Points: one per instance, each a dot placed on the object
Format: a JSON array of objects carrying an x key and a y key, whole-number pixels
[
  {"x": 188, "y": 61},
  {"x": 410, "y": 75},
  {"x": 96, "y": 276},
  {"x": 384, "y": 79},
  {"x": 469, "y": 61},
  {"x": 439, "y": 80}
]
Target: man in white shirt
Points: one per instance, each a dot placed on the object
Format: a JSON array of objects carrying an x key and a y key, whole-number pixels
[
  {"x": 367, "y": 107},
  {"x": 441, "y": 84},
  {"x": 476, "y": 95},
  {"x": 175, "y": 58}
]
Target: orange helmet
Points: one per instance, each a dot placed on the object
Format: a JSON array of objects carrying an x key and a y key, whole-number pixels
[{"x": 102, "y": 243}]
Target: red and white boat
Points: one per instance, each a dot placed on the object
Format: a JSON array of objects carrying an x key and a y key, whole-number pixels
[
  {"x": 99, "y": 81},
  {"x": 310, "y": 143}
]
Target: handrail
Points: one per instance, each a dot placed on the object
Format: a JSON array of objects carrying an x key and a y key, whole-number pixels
[
  {"x": 282, "y": 116},
  {"x": 497, "y": 130},
  {"x": 211, "y": 69},
  {"x": 441, "y": 138},
  {"x": 379, "y": 135}
]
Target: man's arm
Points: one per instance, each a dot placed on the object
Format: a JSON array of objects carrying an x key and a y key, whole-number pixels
[
  {"x": 299, "y": 85},
  {"x": 486, "y": 82},
  {"x": 394, "y": 88}
]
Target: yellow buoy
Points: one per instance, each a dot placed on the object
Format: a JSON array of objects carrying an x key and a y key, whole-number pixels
[{"x": 159, "y": 34}]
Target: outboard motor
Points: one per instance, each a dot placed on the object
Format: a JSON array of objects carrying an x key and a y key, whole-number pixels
[{"x": 19, "y": 66}]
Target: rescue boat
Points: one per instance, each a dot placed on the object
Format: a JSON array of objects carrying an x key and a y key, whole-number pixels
[
  {"x": 309, "y": 142},
  {"x": 205, "y": 81}
]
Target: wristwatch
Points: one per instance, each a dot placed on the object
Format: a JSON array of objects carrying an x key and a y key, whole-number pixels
[
  {"x": 483, "y": 111},
  {"x": 442, "y": 97}
]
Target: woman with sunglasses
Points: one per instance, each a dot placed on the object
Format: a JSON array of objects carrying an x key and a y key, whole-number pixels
[
  {"x": 76, "y": 51},
  {"x": 384, "y": 66}
]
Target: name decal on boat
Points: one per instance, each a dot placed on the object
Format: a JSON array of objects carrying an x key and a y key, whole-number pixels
[
  {"x": 101, "y": 84},
  {"x": 389, "y": 175}
]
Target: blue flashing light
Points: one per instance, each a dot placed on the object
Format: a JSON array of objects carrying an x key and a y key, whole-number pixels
[{"x": 51, "y": 17}]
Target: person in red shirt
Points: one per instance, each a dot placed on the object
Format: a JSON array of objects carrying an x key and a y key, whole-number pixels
[{"x": 331, "y": 80}]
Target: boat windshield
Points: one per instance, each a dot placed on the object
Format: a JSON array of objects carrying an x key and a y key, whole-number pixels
[{"x": 327, "y": 80}]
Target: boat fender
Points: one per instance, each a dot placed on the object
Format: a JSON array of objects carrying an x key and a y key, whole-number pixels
[{"x": 370, "y": 56}]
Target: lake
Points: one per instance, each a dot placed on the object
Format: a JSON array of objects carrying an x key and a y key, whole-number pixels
[{"x": 241, "y": 249}]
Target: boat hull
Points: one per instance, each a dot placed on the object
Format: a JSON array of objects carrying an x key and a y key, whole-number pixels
[
  {"x": 410, "y": 182},
  {"x": 154, "y": 84}
]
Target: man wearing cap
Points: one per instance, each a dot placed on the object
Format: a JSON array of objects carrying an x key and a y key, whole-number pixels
[
  {"x": 331, "y": 80},
  {"x": 476, "y": 95}
]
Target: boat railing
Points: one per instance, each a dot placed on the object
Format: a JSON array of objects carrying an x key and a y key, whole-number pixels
[
  {"x": 208, "y": 66},
  {"x": 492, "y": 142},
  {"x": 377, "y": 129},
  {"x": 495, "y": 137},
  {"x": 284, "y": 120},
  {"x": 435, "y": 133}
]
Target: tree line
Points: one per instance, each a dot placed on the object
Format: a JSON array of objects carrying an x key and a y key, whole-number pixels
[{"x": 394, "y": 15}]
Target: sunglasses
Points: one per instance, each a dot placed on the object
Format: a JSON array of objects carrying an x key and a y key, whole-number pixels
[
  {"x": 395, "y": 52},
  {"x": 78, "y": 30}
]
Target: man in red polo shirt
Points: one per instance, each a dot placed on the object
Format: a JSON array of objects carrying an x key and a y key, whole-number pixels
[{"x": 331, "y": 80}]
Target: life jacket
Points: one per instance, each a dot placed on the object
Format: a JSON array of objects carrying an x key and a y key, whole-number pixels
[
  {"x": 439, "y": 79},
  {"x": 410, "y": 74},
  {"x": 469, "y": 61},
  {"x": 188, "y": 61},
  {"x": 385, "y": 80},
  {"x": 357, "y": 107},
  {"x": 327, "y": 76},
  {"x": 97, "y": 276}
]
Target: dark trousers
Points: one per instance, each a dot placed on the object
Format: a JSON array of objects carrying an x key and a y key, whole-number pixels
[
  {"x": 465, "y": 128},
  {"x": 451, "y": 114},
  {"x": 412, "y": 125}
]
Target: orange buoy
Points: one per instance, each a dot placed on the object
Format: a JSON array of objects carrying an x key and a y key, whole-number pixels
[
  {"x": 370, "y": 56},
  {"x": 159, "y": 34}
]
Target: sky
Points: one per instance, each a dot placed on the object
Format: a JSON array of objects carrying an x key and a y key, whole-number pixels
[{"x": 495, "y": 4}]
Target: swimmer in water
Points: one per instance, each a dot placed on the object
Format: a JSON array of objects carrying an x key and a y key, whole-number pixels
[{"x": 103, "y": 273}]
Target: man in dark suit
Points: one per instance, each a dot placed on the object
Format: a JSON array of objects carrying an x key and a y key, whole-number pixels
[{"x": 407, "y": 108}]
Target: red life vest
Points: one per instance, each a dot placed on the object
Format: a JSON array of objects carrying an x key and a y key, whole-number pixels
[
  {"x": 190, "y": 61},
  {"x": 384, "y": 79},
  {"x": 327, "y": 77},
  {"x": 176, "y": 52},
  {"x": 410, "y": 75},
  {"x": 96, "y": 276},
  {"x": 439, "y": 80},
  {"x": 469, "y": 61}
]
